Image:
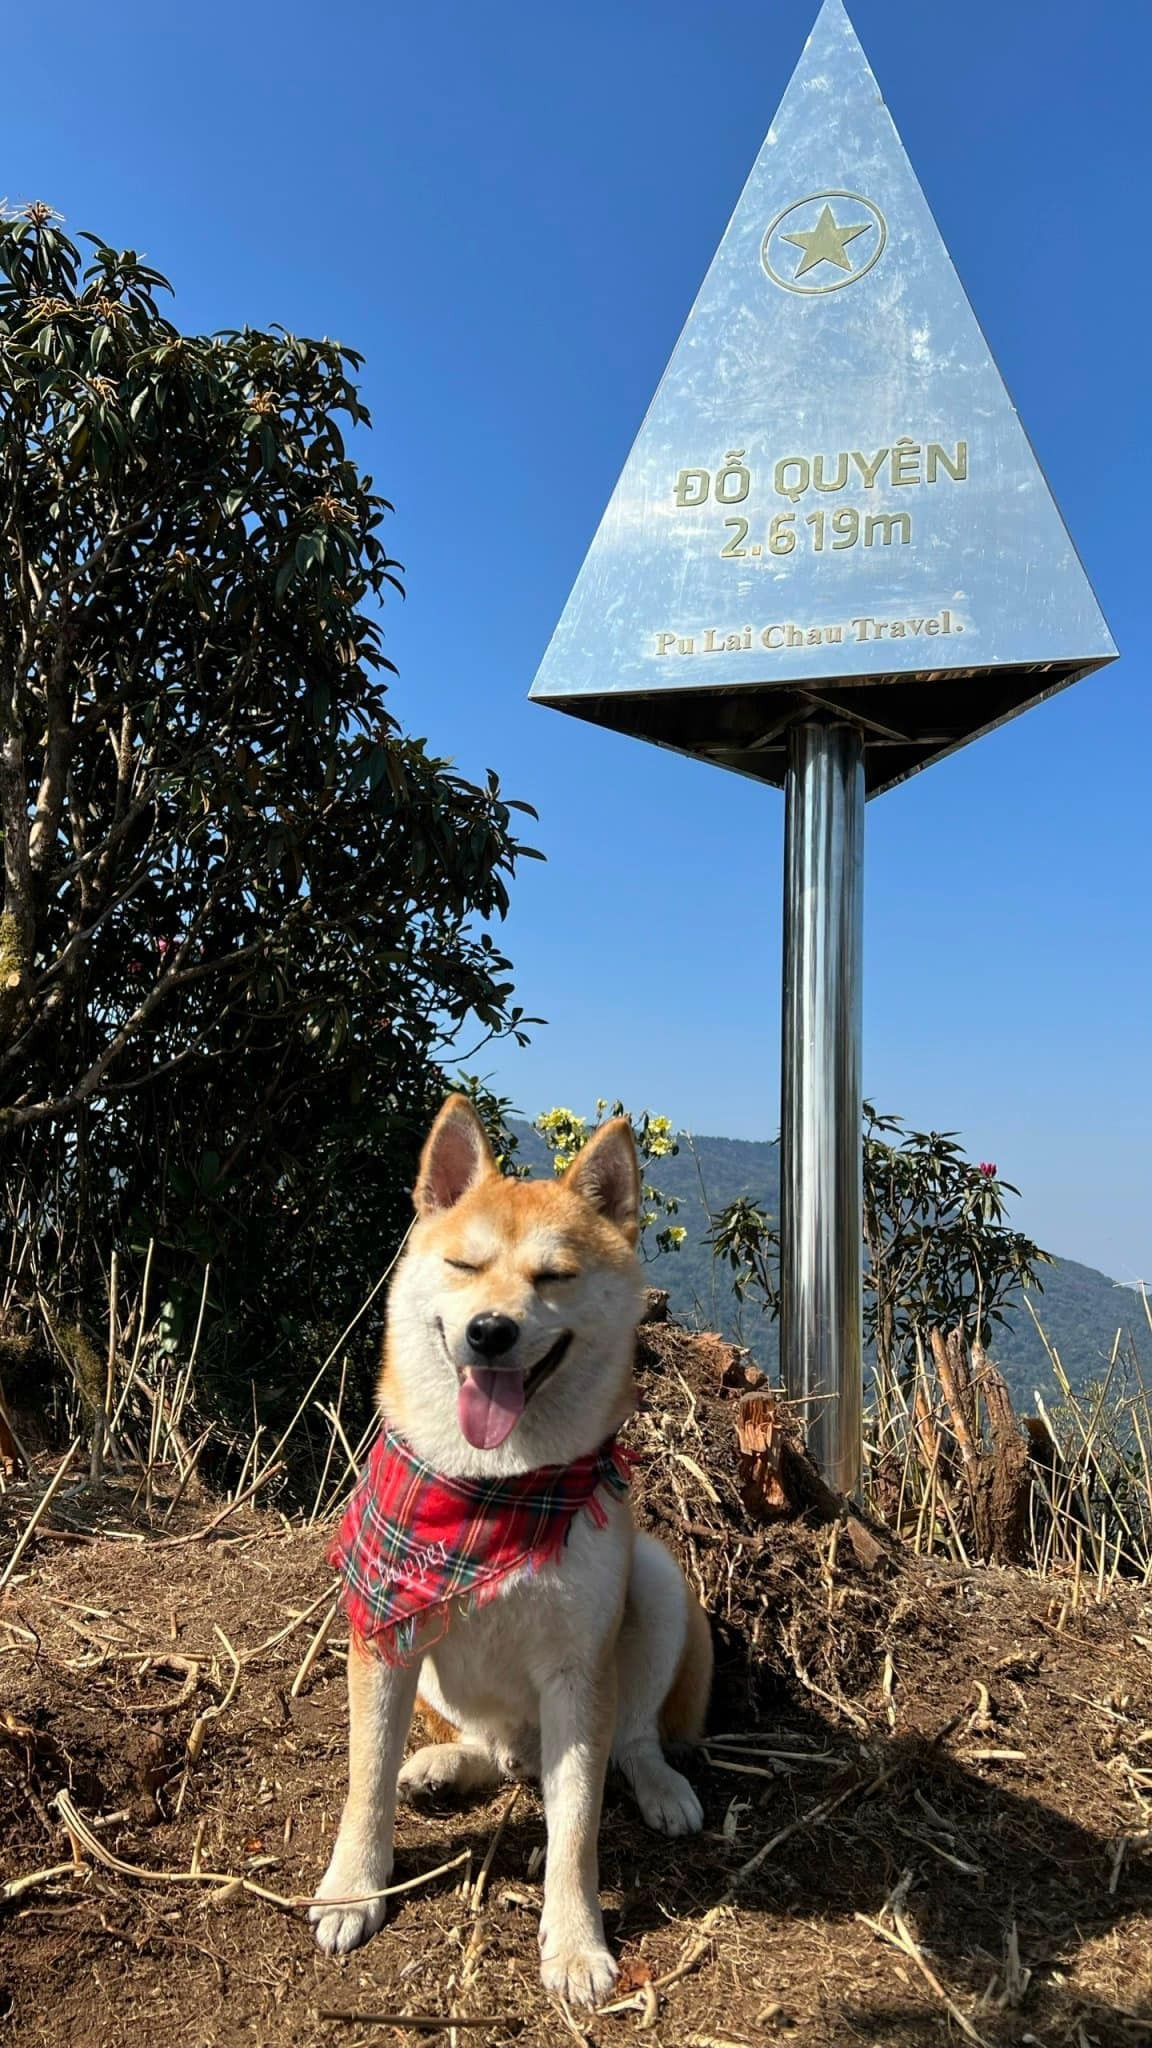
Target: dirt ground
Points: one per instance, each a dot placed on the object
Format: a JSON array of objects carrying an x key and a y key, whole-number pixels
[{"x": 927, "y": 1797}]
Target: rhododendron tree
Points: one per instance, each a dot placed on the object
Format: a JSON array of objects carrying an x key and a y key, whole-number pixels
[{"x": 245, "y": 916}]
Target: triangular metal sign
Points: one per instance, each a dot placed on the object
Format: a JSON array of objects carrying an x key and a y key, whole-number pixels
[{"x": 832, "y": 500}]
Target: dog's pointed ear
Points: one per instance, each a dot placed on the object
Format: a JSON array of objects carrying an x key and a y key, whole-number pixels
[
  {"x": 607, "y": 1174},
  {"x": 456, "y": 1155}
]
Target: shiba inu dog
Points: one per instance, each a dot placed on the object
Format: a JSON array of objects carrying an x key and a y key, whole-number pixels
[{"x": 509, "y": 1353}]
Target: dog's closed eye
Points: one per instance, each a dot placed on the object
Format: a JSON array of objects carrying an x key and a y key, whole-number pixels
[{"x": 550, "y": 1278}]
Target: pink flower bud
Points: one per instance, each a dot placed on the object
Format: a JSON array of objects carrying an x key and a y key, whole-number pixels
[{"x": 988, "y": 1168}]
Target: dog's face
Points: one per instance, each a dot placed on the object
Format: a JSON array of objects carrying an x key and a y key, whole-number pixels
[{"x": 512, "y": 1312}]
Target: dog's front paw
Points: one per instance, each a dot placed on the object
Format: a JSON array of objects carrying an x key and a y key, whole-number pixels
[
  {"x": 341, "y": 1925},
  {"x": 583, "y": 1973}
]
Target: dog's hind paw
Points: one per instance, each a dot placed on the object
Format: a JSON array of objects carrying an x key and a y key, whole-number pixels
[
  {"x": 584, "y": 1976},
  {"x": 447, "y": 1770},
  {"x": 343, "y": 1917},
  {"x": 667, "y": 1801}
]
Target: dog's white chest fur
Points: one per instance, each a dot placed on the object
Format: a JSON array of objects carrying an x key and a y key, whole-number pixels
[{"x": 489, "y": 1666}]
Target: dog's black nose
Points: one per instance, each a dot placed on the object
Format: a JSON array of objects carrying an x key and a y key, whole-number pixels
[{"x": 491, "y": 1334}]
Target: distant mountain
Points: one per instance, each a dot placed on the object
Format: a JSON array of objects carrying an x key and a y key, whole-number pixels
[{"x": 1081, "y": 1310}]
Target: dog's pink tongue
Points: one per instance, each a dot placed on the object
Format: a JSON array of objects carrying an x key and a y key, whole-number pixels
[{"x": 489, "y": 1405}]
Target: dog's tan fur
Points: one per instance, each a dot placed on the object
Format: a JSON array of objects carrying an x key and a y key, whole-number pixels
[
  {"x": 685, "y": 1707},
  {"x": 597, "y": 1657}
]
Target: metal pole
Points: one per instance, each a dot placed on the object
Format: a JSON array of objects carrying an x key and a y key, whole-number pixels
[{"x": 820, "y": 1141}]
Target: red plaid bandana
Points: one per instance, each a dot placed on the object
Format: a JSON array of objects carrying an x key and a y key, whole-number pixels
[{"x": 413, "y": 1541}]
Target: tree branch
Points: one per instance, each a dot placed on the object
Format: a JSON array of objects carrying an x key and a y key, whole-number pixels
[{"x": 23, "y": 1114}]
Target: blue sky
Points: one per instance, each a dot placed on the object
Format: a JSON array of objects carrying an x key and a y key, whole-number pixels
[{"x": 509, "y": 209}]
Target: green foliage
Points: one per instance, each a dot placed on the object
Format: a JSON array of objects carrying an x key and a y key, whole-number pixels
[
  {"x": 245, "y": 915},
  {"x": 745, "y": 1238},
  {"x": 1082, "y": 1309},
  {"x": 939, "y": 1252},
  {"x": 498, "y": 1117},
  {"x": 937, "y": 1249},
  {"x": 564, "y": 1134}
]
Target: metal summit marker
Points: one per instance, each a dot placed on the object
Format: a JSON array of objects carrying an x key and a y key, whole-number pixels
[{"x": 831, "y": 558}]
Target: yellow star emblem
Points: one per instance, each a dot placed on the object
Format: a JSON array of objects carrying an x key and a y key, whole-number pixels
[{"x": 825, "y": 243}]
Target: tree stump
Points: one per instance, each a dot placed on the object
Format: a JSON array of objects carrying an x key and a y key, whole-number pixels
[
  {"x": 997, "y": 1474},
  {"x": 760, "y": 1438},
  {"x": 779, "y": 1481}
]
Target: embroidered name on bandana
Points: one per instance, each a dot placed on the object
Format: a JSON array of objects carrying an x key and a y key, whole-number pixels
[{"x": 413, "y": 1541}]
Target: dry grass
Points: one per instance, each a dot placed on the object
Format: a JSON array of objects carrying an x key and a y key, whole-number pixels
[
  {"x": 147, "y": 1424},
  {"x": 928, "y": 1783},
  {"x": 1087, "y": 1514},
  {"x": 928, "y": 1795},
  {"x": 1086, "y": 1496}
]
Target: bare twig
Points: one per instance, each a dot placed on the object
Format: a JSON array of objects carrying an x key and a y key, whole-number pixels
[
  {"x": 478, "y": 1888},
  {"x": 314, "y": 1648},
  {"x": 38, "y": 1513},
  {"x": 862, "y": 1788},
  {"x": 904, "y": 1940},
  {"x": 141, "y": 1332},
  {"x": 302, "y": 1404},
  {"x": 272, "y": 1642},
  {"x": 82, "y": 1829},
  {"x": 100, "y": 1419},
  {"x": 16, "y": 1886},
  {"x": 160, "y": 1709},
  {"x": 229, "y": 1508},
  {"x": 202, "y": 1722},
  {"x": 422, "y": 2022},
  {"x": 700, "y": 1946}
]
